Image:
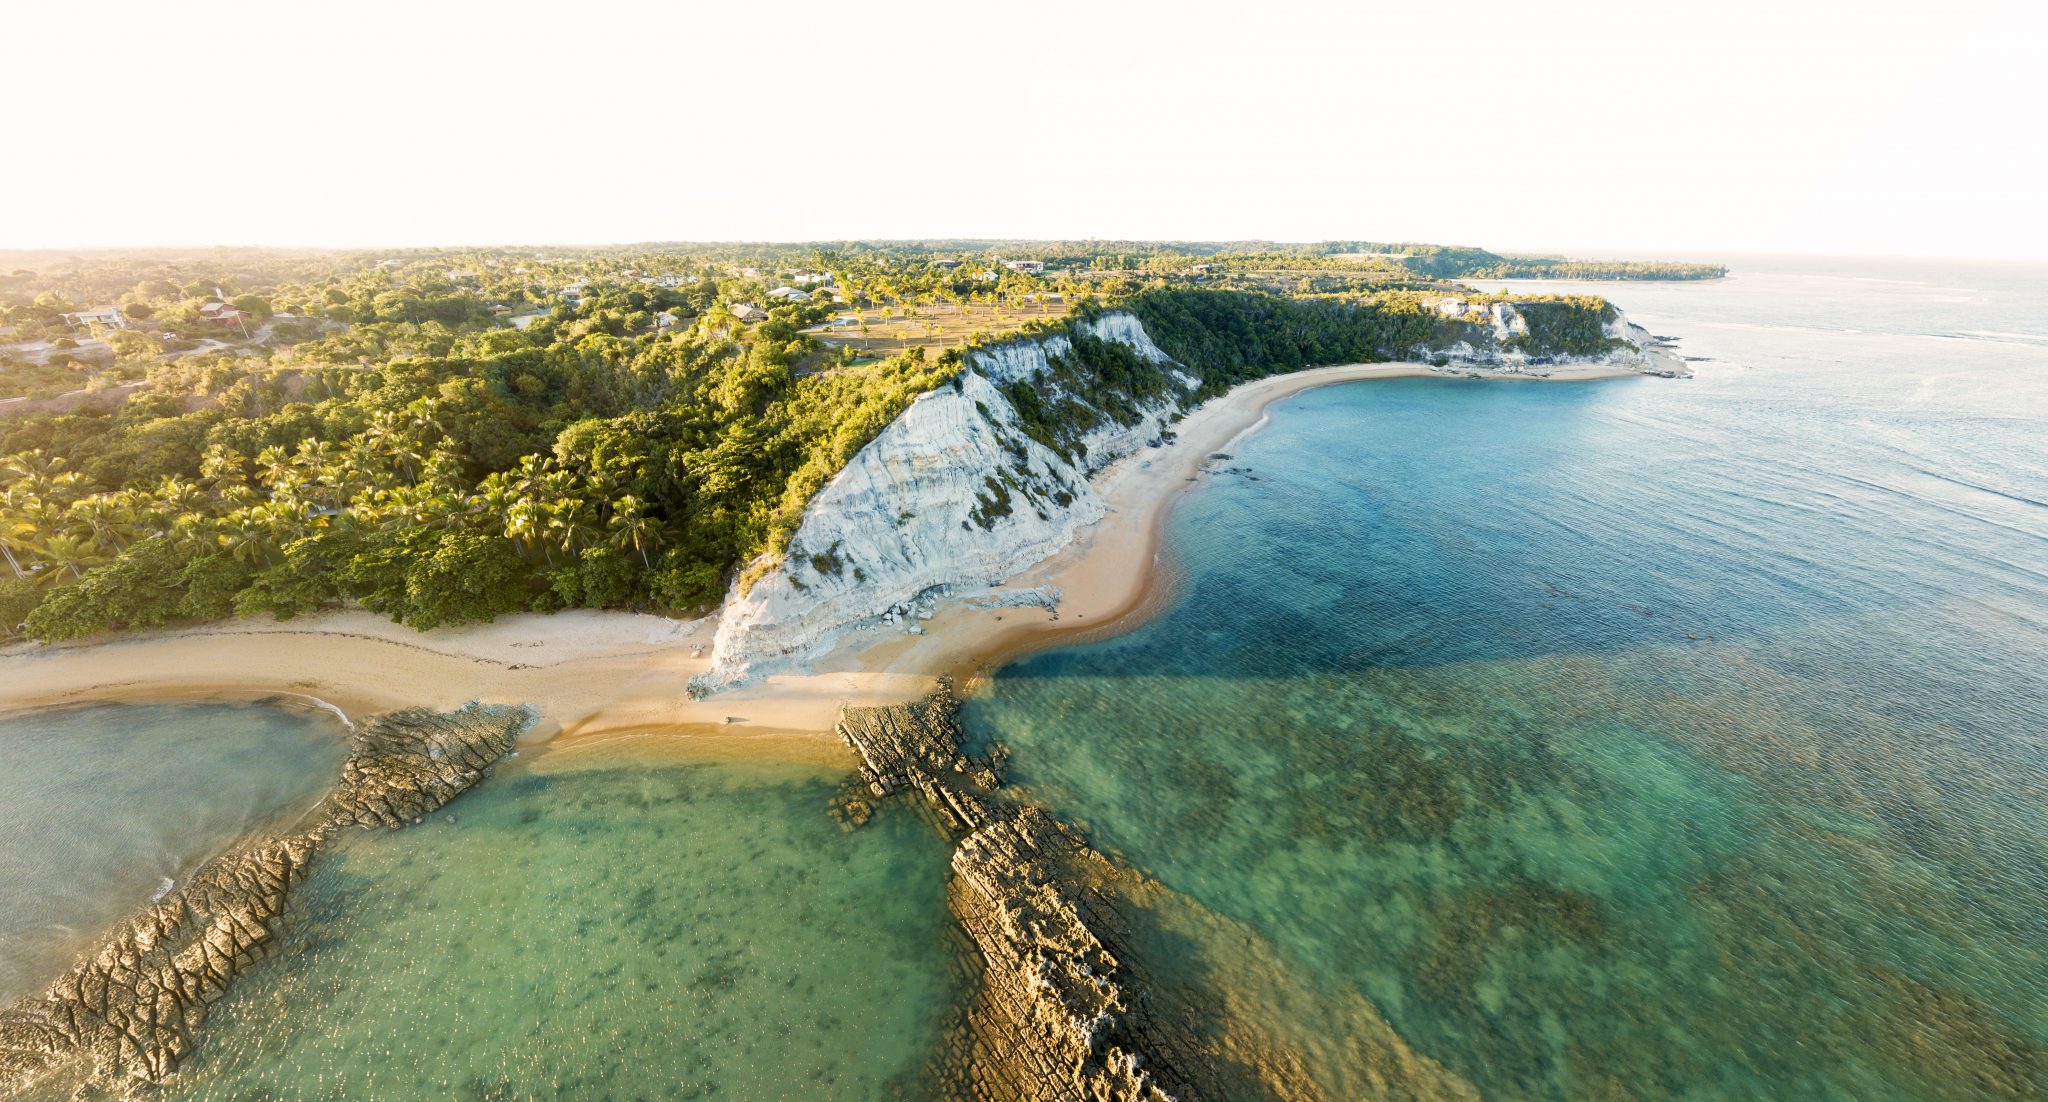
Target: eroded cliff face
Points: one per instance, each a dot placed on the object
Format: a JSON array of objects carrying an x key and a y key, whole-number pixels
[
  {"x": 1497, "y": 333},
  {"x": 954, "y": 494}
]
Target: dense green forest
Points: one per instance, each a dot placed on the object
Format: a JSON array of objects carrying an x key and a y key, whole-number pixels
[
  {"x": 448, "y": 436},
  {"x": 1235, "y": 337},
  {"x": 475, "y": 471}
]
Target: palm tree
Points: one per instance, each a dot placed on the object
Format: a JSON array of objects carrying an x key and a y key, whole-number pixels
[
  {"x": 17, "y": 530},
  {"x": 384, "y": 440},
  {"x": 224, "y": 473},
  {"x": 494, "y": 500},
  {"x": 245, "y": 534},
  {"x": 443, "y": 470},
  {"x": 629, "y": 527},
  {"x": 273, "y": 467},
  {"x": 363, "y": 467},
  {"x": 569, "y": 521},
  {"x": 33, "y": 467},
  {"x": 290, "y": 520},
  {"x": 63, "y": 551},
  {"x": 422, "y": 417},
  {"x": 322, "y": 465},
  {"x": 42, "y": 474},
  {"x": 173, "y": 500},
  {"x": 526, "y": 522},
  {"x": 106, "y": 520}
]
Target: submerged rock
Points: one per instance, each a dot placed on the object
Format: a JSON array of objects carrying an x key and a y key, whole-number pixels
[
  {"x": 1066, "y": 1008},
  {"x": 1048, "y": 1021},
  {"x": 130, "y": 1012}
]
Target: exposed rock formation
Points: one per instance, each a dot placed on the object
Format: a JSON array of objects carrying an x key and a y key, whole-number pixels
[
  {"x": 1046, "y": 1023},
  {"x": 1495, "y": 333},
  {"x": 405, "y": 765},
  {"x": 126, "y": 1016},
  {"x": 1051, "y": 1019},
  {"x": 1067, "y": 1008},
  {"x": 954, "y": 493},
  {"x": 133, "y": 1007}
]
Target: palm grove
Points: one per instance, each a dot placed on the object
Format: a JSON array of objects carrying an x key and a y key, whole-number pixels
[
  {"x": 393, "y": 442},
  {"x": 584, "y": 461}
]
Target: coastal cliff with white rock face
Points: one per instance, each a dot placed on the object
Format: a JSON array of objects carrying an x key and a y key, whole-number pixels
[
  {"x": 954, "y": 493},
  {"x": 958, "y": 493},
  {"x": 1500, "y": 340}
]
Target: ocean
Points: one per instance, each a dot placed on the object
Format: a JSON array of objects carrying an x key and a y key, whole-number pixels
[
  {"x": 1641, "y": 738},
  {"x": 1632, "y": 739}
]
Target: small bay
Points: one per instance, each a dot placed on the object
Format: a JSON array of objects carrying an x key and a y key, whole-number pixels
[
  {"x": 605, "y": 924},
  {"x": 100, "y": 805}
]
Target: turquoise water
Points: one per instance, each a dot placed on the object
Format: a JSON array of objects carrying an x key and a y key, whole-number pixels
[
  {"x": 1644, "y": 738},
  {"x": 100, "y": 805},
  {"x": 605, "y": 925}
]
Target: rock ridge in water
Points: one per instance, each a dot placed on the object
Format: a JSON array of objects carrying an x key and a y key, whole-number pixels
[
  {"x": 1075, "y": 1000},
  {"x": 126, "y": 1016},
  {"x": 1048, "y": 1021}
]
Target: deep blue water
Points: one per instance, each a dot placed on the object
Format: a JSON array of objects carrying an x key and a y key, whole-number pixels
[{"x": 1640, "y": 738}]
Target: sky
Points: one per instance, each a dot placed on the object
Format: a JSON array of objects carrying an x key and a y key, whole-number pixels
[{"x": 1590, "y": 127}]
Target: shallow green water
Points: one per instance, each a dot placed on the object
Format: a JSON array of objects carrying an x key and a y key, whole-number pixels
[
  {"x": 605, "y": 927},
  {"x": 1641, "y": 739},
  {"x": 101, "y": 805}
]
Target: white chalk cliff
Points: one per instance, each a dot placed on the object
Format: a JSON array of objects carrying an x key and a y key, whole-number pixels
[
  {"x": 954, "y": 495},
  {"x": 1497, "y": 325}
]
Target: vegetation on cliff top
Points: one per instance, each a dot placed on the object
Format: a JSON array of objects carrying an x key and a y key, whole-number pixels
[
  {"x": 1235, "y": 337},
  {"x": 446, "y": 436}
]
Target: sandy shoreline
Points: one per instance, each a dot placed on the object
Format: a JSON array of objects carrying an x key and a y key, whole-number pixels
[
  {"x": 1112, "y": 577},
  {"x": 608, "y": 676}
]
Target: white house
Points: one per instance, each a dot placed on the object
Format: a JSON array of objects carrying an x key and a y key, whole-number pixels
[
  {"x": 789, "y": 294},
  {"x": 108, "y": 316}
]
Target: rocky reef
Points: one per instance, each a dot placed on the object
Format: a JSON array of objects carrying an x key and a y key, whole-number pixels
[
  {"x": 1087, "y": 990},
  {"x": 126, "y": 1016},
  {"x": 1048, "y": 1020},
  {"x": 405, "y": 765}
]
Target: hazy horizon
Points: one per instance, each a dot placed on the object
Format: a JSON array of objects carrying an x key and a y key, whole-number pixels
[
  {"x": 1822, "y": 128},
  {"x": 1703, "y": 255}
]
